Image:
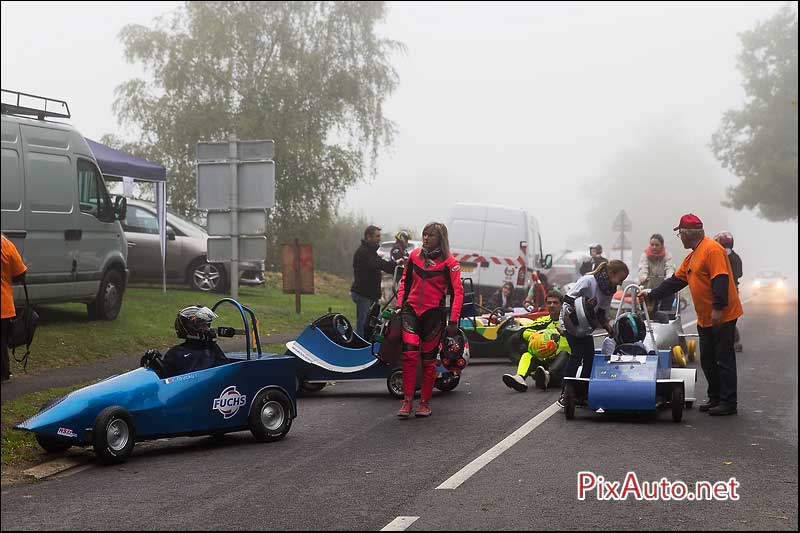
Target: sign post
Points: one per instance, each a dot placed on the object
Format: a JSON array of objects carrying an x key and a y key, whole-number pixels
[
  {"x": 298, "y": 270},
  {"x": 236, "y": 184},
  {"x": 621, "y": 224}
]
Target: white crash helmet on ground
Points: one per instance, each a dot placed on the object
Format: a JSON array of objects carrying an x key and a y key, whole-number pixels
[{"x": 585, "y": 314}]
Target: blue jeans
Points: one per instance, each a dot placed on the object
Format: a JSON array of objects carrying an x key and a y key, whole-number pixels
[{"x": 363, "y": 304}]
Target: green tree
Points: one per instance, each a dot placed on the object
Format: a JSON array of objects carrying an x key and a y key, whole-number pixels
[
  {"x": 758, "y": 143},
  {"x": 313, "y": 76}
]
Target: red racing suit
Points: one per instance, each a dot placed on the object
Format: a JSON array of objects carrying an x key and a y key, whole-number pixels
[{"x": 427, "y": 278}]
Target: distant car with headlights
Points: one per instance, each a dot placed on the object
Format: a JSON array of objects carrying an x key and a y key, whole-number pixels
[{"x": 769, "y": 281}]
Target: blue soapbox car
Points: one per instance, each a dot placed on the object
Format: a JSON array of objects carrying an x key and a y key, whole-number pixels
[
  {"x": 330, "y": 350},
  {"x": 251, "y": 391},
  {"x": 621, "y": 382}
]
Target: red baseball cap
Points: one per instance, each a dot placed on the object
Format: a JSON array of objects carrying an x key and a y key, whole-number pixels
[{"x": 689, "y": 221}]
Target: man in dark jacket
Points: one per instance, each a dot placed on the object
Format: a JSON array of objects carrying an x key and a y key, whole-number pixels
[
  {"x": 367, "y": 268},
  {"x": 596, "y": 253}
]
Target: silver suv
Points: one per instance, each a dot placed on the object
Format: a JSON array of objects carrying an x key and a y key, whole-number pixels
[{"x": 186, "y": 252}]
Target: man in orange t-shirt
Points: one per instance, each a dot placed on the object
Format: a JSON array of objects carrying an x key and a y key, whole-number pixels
[
  {"x": 708, "y": 273},
  {"x": 11, "y": 269}
]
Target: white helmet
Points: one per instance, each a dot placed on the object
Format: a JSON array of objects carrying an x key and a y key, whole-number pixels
[{"x": 585, "y": 314}]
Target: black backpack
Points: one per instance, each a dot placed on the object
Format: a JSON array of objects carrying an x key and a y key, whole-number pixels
[{"x": 21, "y": 330}]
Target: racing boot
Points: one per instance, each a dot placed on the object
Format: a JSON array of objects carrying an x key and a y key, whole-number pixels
[
  {"x": 405, "y": 407},
  {"x": 516, "y": 382},
  {"x": 424, "y": 409},
  {"x": 541, "y": 377}
]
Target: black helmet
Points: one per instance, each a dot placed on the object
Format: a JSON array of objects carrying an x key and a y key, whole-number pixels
[
  {"x": 629, "y": 328},
  {"x": 194, "y": 322},
  {"x": 454, "y": 354}
]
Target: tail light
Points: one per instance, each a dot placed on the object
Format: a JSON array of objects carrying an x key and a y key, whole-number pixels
[{"x": 521, "y": 276}]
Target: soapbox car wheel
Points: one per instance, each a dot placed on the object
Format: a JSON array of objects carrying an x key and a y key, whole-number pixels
[
  {"x": 53, "y": 444},
  {"x": 305, "y": 386},
  {"x": 448, "y": 383},
  {"x": 677, "y": 404},
  {"x": 569, "y": 402},
  {"x": 678, "y": 356},
  {"x": 343, "y": 327},
  {"x": 395, "y": 384},
  {"x": 113, "y": 435},
  {"x": 691, "y": 349},
  {"x": 49, "y": 443},
  {"x": 270, "y": 416}
]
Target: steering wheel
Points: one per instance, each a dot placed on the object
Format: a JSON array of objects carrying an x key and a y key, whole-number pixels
[
  {"x": 152, "y": 359},
  {"x": 343, "y": 327},
  {"x": 496, "y": 312}
]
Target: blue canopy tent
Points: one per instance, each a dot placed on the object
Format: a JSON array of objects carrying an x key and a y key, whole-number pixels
[{"x": 120, "y": 166}]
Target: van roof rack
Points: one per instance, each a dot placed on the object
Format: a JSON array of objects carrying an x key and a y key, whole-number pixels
[{"x": 12, "y": 106}]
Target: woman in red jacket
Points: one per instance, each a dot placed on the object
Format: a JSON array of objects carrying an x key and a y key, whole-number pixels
[{"x": 430, "y": 273}]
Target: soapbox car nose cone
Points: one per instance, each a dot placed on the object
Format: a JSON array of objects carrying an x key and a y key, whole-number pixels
[{"x": 272, "y": 415}]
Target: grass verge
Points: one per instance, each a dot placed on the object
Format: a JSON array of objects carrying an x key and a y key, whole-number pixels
[{"x": 65, "y": 335}]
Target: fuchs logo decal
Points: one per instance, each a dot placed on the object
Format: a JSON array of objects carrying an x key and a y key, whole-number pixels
[
  {"x": 509, "y": 271},
  {"x": 229, "y": 402},
  {"x": 66, "y": 432},
  {"x": 456, "y": 268}
]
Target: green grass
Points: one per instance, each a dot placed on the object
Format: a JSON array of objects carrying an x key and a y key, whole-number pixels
[
  {"x": 19, "y": 448},
  {"x": 65, "y": 336}
]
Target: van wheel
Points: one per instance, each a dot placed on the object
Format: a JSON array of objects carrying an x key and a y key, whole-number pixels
[
  {"x": 207, "y": 277},
  {"x": 107, "y": 304}
]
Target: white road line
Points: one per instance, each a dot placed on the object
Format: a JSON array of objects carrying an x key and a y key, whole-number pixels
[
  {"x": 468, "y": 471},
  {"x": 693, "y": 322},
  {"x": 401, "y": 523}
]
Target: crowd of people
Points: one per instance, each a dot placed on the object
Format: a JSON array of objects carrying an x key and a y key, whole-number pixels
[
  {"x": 561, "y": 341},
  {"x": 557, "y": 344}
]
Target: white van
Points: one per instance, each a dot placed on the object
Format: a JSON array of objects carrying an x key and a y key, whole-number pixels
[
  {"x": 495, "y": 244},
  {"x": 57, "y": 211}
]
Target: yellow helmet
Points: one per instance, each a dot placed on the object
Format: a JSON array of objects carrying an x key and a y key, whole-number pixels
[
  {"x": 403, "y": 235},
  {"x": 543, "y": 344}
]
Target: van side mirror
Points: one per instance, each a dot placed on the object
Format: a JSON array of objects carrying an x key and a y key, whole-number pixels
[
  {"x": 170, "y": 234},
  {"x": 120, "y": 208},
  {"x": 547, "y": 262}
]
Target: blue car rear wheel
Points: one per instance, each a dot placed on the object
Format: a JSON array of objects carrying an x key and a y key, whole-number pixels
[{"x": 270, "y": 415}]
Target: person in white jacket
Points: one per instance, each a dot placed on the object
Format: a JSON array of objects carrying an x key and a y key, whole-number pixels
[{"x": 655, "y": 265}]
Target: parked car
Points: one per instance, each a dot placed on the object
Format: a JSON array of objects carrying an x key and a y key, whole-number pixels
[
  {"x": 57, "y": 211},
  {"x": 495, "y": 244},
  {"x": 769, "y": 281},
  {"x": 186, "y": 252}
]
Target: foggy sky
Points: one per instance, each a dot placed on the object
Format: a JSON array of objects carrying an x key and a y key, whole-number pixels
[{"x": 520, "y": 104}]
